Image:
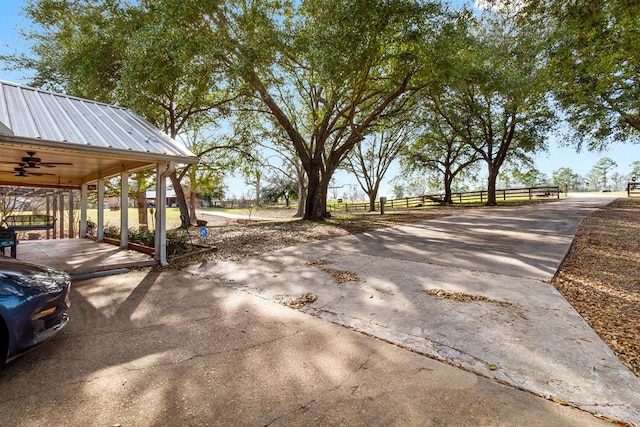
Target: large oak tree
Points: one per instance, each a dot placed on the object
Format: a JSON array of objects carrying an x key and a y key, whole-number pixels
[
  {"x": 327, "y": 72},
  {"x": 501, "y": 90}
]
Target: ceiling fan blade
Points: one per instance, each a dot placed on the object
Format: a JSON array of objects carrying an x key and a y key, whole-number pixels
[
  {"x": 22, "y": 172},
  {"x": 31, "y": 160},
  {"x": 54, "y": 164}
]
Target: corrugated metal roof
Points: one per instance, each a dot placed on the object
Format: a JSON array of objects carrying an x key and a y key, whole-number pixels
[{"x": 38, "y": 114}]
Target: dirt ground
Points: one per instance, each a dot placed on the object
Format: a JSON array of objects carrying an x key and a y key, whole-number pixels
[{"x": 600, "y": 276}]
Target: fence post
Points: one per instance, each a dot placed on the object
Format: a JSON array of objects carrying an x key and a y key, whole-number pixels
[
  {"x": 504, "y": 194},
  {"x": 481, "y": 193},
  {"x": 529, "y": 193},
  {"x": 383, "y": 200}
]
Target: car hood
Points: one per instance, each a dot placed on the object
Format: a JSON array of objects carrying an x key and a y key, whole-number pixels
[{"x": 32, "y": 276}]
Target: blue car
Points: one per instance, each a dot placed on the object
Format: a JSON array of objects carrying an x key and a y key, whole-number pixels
[{"x": 33, "y": 306}]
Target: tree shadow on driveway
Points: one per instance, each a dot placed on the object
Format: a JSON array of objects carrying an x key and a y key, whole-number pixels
[{"x": 169, "y": 348}]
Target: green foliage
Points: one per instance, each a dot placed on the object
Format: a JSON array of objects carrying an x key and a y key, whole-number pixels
[
  {"x": 111, "y": 231},
  {"x": 566, "y": 177},
  {"x": 91, "y": 227},
  {"x": 592, "y": 54},
  {"x": 493, "y": 105},
  {"x": 441, "y": 146},
  {"x": 635, "y": 169},
  {"x": 279, "y": 186},
  {"x": 325, "y": 79},
  {"x": 529, "y": 178},
  {"x": 158, "y": 58},
  {"x": 142, "y": 236},
  {"x": 371, "y": 158},
  {"x": 601, "y": 170},
  {"x": 177, "y": 241}
]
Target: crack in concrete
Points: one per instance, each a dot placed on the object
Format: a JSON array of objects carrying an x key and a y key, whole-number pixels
[{"x": 304, "y": 408}]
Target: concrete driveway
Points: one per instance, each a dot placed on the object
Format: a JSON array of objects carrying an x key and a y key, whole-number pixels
[
  {"x": 166, "y": 348},
  {"x": 214, "y": 347},
  {"x": 471, "y": 289}
]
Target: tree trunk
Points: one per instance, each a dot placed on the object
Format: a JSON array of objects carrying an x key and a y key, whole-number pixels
[
  {"x": 192, "y": 207},
  {"x": 372, "y": 202},
  {"x": 373, "y": 194},
  {"x": 182, "y": 202},
  {"x": 316, "y": 200},
  {"x": 143, "y": 217},
  {"x": 302, "y": 197},
  {"x": 302, "y": 191},
  {"x": 491, "y": 185},
  {"x": 448, "y": 200}
]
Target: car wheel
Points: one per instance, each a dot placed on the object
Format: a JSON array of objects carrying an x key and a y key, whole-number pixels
[{"x": 4, "y": 342}]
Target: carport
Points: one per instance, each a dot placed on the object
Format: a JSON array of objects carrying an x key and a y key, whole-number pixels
[{"x": 49, "y": 140}]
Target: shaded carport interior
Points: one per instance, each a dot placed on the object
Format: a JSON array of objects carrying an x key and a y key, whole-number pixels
[{"x": 54, "y": 141}]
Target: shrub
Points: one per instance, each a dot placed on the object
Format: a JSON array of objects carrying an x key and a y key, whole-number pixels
[
  {"x": 142, "y": 236},
  {"x": 177, "y": 241},
  {"x": 112, "y": 231}
]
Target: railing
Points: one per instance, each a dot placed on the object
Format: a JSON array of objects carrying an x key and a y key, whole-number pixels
[
  {"x": 633, "y": 189},
  {"x": 470, "y": 197}
]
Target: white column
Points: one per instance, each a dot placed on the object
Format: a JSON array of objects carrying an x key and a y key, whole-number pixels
[
  {"x": 72, "y": 230},
  {"x": 124, "y": 210},
  {"x": 100, "y": 231},
  {"x": 161, "y": 215},
  {"x": 48, "y": 207},
  {"x": 84, "y": 197},
  {"x": 61, "y": 214}
]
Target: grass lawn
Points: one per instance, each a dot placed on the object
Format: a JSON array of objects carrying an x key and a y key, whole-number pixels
[{"x": 113, "y": 217}]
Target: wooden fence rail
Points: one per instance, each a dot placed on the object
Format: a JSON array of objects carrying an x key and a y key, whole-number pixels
[{"x": 528, "y": 193}]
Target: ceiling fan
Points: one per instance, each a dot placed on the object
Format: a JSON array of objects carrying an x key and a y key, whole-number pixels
[
  {"x": 32, "y": 162},
  {"x": 27, "y": 165},
  {"x": 22, "y": 172}
]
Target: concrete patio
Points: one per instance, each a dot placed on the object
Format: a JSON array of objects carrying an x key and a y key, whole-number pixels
[{"x": 81, "y": 256}]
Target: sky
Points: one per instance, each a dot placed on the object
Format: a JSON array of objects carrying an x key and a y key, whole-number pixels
[{"x": 12, "y": 22}]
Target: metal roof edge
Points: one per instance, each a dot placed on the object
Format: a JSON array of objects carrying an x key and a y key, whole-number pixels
[
  {"x": 138, "y": 119},
  {"x": 112, "y": 152}
]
